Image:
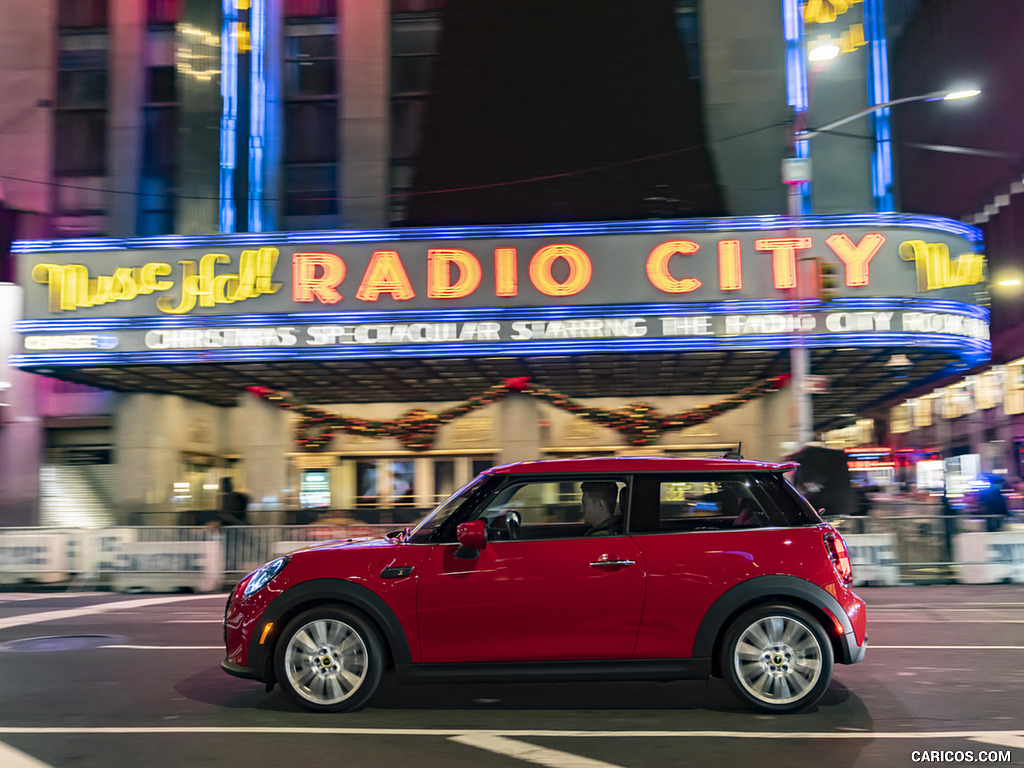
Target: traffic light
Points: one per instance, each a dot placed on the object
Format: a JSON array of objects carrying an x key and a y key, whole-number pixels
[{"x": 828, "y": 280}]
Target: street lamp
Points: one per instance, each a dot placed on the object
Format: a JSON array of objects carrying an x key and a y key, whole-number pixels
[
  {"x": 796, "y": 171},
  {"x": 934, "y": 96}
]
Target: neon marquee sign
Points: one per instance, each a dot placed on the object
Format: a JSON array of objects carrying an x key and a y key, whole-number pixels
[
  {"x": 72, "y": 287},
  {"x": 555, "y": 270}
]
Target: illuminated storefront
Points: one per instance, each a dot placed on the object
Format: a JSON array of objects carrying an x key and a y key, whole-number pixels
[{"x": 664, "y": 289}]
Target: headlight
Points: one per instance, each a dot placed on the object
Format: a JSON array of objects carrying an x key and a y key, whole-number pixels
[{"x": 262, "y": 576}]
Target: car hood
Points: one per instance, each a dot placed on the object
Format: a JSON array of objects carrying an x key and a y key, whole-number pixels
[{"x": 360, "y": 543}]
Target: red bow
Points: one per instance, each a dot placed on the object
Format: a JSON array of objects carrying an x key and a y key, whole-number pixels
[{"x": 518, "y": 383}]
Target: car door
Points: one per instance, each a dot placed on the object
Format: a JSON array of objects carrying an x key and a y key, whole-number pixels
[
  {"x": 556, "y": 596},
  {"x": 701, "y": 535}
]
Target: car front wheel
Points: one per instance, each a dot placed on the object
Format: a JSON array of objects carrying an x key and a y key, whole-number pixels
[
  {"x": 329, "y": 660},
  {"x": 777, "y": 658}
]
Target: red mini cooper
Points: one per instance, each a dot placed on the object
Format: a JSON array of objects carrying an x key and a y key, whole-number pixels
[{"x": 577, "y": 569}]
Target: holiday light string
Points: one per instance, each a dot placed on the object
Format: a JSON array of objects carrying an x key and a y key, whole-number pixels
[{"x": 639, "y": 423}]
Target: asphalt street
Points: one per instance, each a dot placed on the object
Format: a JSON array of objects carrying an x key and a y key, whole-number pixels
[{"x": 112, "y": 680}]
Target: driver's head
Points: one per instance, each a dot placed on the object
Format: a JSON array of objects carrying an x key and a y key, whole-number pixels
[{"x": 598, "y": 501}]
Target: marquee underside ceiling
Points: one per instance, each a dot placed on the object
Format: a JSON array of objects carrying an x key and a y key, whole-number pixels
[{"x": 860, "y": 378}]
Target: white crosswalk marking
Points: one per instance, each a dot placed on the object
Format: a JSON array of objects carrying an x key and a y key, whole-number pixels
[
  {"x": 121, "y": 605},
  {"x": 531, "y": 753},
  {"x": 13, "y": 758},
  {"x": 1015, "y": 740}
]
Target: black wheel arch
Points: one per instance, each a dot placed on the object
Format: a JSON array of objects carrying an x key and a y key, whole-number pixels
[
  {"x": 315, "y": 592},
  {"x": 770, "y": 589}
]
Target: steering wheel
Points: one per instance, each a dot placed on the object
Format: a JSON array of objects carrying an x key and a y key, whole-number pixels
[
  {"x": 512, "y": 520},
  {"x": 506, "y": 524}
]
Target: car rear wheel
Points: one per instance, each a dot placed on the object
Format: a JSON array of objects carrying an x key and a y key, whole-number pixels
[
  {"x": 329, "y": 660},
  {"x": 777, "y": 658}
]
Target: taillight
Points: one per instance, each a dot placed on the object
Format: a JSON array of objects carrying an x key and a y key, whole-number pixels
[{"x": 840, "y": 557}]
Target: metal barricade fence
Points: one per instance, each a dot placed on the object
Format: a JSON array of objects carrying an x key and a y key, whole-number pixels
[
  {"x": 247, "y": 547},
  {"x": 884, "y": 548},
  {"x": 918, "y": 546},
  {"x": 154, "y": 558}
]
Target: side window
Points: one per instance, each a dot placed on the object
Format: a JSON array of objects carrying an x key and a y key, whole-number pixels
[
  {"x": 695, "y": 502},
  {"x": 556, "y": 507}
]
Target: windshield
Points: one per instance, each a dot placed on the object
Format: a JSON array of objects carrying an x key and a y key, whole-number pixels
[{"x": 428, "y": 526}]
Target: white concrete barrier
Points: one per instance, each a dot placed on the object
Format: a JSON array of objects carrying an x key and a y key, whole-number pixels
[
  {"x": 873, "y": 556},
  {"x": 96, "y": 550},
  {"x": 990, "y": 558},
  {"x": 143, "y": 566},
  {"x": 38, "y": 557}
]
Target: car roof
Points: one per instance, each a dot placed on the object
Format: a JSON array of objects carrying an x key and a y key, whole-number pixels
[{"x": 614, "y": 464}]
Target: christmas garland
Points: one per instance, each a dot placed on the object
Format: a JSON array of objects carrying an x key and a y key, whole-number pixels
[{"x": 639, "y": 423}]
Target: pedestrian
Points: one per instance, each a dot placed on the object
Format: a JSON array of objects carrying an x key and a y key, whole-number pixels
[
  {"x": 862, "y": 506},
  {"x": 993, "y": 503},
  {"x": 234, "y": 505},
  {"x": 949, "y": 526}
]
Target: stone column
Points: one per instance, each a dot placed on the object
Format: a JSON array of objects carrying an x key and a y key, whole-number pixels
[
  {"x": 22, "y": 440},
  {"x": 519, "y": 428},
  {"x": 263, "y": 435},
  {"x": 765, "y": 427},
  {"x": 147, "y": 456}
]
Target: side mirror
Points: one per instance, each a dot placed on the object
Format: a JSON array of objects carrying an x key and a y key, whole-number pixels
[{"x": 472, "y": 538}]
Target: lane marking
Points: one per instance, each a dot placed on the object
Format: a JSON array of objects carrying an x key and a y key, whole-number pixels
[
  {"x": 946, "y": 647},
  {"x": 870, "y": 647},
  {"x": 945, "y": 621},
  {"x": 14, "y": 758},
  {"x": 520, "y": 750},
  {"x": 73, "y": 613},
  {"x": 919, "y": 606},
  {"x": 18, "y": 597},
  {"x": 988, "y": 736},
  {"x": 939, "y": 608},
  {"x": 192, "y": 621},
  {"x": 165, "y": 647},
  {"x": 498, "y": 741}
]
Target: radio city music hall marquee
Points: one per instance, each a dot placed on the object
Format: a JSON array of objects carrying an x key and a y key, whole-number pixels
[{"x": 506, "y": 289}]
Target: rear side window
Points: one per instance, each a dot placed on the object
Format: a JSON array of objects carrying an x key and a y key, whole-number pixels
[{"x": 716, "y": 501}]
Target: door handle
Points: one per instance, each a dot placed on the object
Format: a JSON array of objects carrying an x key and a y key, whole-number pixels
[{"x": 612, "y": 563}]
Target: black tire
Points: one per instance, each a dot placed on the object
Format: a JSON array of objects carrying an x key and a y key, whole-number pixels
[
  {"x": 777, "y": 658},
  {"x": 329, "y": 659}
]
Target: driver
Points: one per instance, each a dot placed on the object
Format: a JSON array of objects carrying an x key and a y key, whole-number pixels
[{"x": 598, "y": 506}]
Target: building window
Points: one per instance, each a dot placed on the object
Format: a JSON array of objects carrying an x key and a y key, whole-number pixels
[
  {"x": 82, "y": 14},
  {"x": 160, "y": 12},
  {"x": 415, "y": 34},
  {"x": 81, "y": 112},
  {"x": 298, "y": 9},
  {"x": 160, "y": 114},
  {"x": 688, "y": 29},
  {"x": 80, "y": 119},
  {"x": 416, "y": 6},
  {"x": 310, "y": 177},
  {"x": 81, "y": 138}
]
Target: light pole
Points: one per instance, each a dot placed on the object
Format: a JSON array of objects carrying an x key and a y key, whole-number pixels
[
  {"x": 796, "y": 171},
  {"x": 934, "y": 96}
]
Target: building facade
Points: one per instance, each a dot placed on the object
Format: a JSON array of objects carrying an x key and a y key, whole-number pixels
[{"x": 129, "y": 122}]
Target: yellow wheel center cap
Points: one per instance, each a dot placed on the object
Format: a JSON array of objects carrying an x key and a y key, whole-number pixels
[
  {"x": 777, "y": 660},
  {"x": 325, "y": 661}
]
